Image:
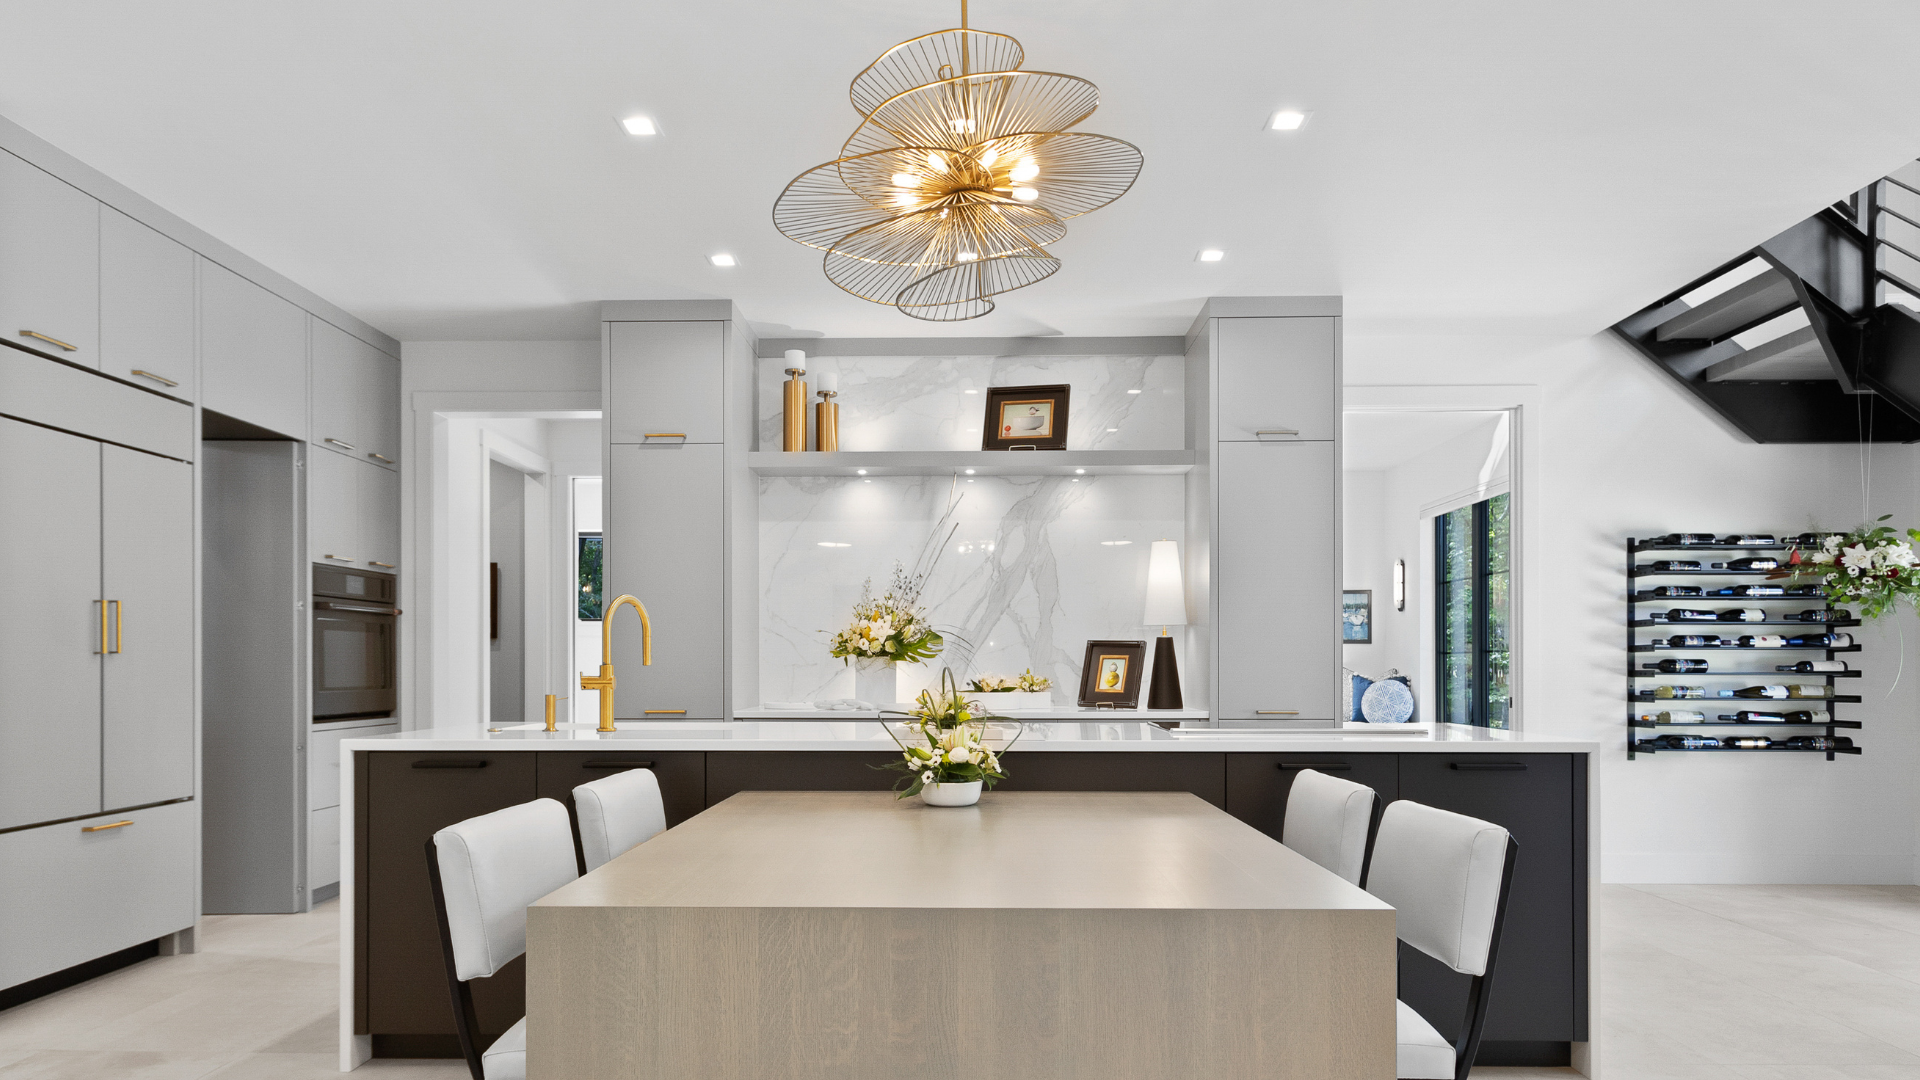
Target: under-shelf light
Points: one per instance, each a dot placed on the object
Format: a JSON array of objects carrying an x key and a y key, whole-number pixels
[{"x": 834, "y": 543}]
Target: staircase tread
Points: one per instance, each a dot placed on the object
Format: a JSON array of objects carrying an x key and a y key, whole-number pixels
[
  {"x": 1747, "y": 303},
  {"x": 1797, "y": 355}
]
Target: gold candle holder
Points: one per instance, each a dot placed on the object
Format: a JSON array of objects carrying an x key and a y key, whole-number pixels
[
  {"x": 795, "y": 435},
  {"x": 826, "y": 423}
]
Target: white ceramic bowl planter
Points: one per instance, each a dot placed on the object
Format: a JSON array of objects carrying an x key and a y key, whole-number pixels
[{"x": 953, "y": 794}]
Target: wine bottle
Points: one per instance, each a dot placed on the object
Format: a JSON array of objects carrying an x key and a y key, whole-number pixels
[
  {"x": 1751, "y": 590},
  {"x": 1746, "y": 742},
  {"x": 1820, "y": 742},
  {"x": 1802, "y": 590},
  {"x": 1679, "y": 716},
  {"x": 1672, "y": 565},
  {"x": 1755, "y": 562},
  {"x": 1679, "y": 667},
  {"x": 1774, "y": 691},
  {"x": 1694, "y": 641},
  {"x": 1812, "y": 539},
  {"x": 1750, "y": 540},
  {"x": 1819, "y": 641},
  {"x": 1806, "y": 716},
  {"x": 1742, "y": 614},
  {"x": 1809, "y": 666},
  {"x": 1809, "y": 690},
  {"x": 1675, "y": 591},
  {"x": 1762, "y": 641},
  {"x": 1748, "y": 716},
  {"x": 1823, "y": 615},
  {"x": 1686, "y": 742},
  {"x": 1679, "y": 692},
  {"x": 1681, "y": 614}
]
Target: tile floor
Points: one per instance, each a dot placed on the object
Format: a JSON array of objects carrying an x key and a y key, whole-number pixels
[{"x": 1699, "y": 982}]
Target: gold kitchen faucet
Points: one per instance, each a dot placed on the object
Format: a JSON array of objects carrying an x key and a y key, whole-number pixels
[{"x": 604, "y": 682}]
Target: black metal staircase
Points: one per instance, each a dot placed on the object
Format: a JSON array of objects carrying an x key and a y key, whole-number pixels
[{"x": 1814, "y": 336}]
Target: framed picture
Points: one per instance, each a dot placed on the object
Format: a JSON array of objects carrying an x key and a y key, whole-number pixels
[
  {"x": 1356, "y": 617},
  {"x": 1112, "y": 672},
  {"x": 1025, "y": 418}
]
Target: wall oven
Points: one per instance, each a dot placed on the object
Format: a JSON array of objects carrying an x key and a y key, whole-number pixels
[{"x": 354, "y": 644}]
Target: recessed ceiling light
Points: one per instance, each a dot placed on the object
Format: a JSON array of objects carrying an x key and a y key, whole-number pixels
[
  {"x": 722, "y": 259},
  {"x": 833, "y": 543},
  {"x": 862, "y": 472},
  {"x": 1134, "y": 391},
  {"x": 969, "y": 472},
  {"x": 1082, "y": 472},
  {"x": 1288, "y": 120},
  {"x": 639, "y": 125},
  {"x": 1115, "y": 543},
  {"x": 1113, "y": 429},
  {"x": 1210, "y": 255},
  {"x": 969, "y": 391}
]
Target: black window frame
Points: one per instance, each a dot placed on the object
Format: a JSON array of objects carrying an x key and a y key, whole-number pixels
[{"x": 1481, "y": 682}]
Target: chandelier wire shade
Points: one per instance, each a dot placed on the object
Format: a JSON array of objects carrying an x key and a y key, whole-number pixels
[{"x": 960, "y": 175}]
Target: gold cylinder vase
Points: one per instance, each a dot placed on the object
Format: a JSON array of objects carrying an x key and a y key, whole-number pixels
[
  {"x": 826, "y": 424},
  {"x": 796, "y": 412}
]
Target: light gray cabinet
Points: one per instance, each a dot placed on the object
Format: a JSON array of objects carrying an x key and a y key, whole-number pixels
[
  {"x": 1278, "y": 376},
  {"x": 333, "y": 510},
  {"x": 49, "y": 264},
  {"x": 665, "y": 545},
  {"x": 356, "y": 390},
  {"x": 55, "y": 629},
  {"x": 253, "y": 353},
  {"x": 377, "y": 493},
  {"x": 146, "y": 307},
  {"x": 147, "y": 580},
  {"x": 666, "y": 377},
  {"x": 1277, "y": 641}
]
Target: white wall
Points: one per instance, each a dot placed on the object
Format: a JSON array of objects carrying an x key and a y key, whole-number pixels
[
  {"x": 1621, "y": 451},
  {"x": 1366, "y": 564}
]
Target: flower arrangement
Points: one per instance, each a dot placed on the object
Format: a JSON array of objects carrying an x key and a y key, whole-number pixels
[
  {"x": 890, "y": 627},
  {"x": 945, "y": 744},
  {"x": 1025, "y": 682},
  {"x": 1869, "y": 566}
]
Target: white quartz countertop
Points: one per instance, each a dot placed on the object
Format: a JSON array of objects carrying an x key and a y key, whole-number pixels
[{"x": 1118, "y": 736}]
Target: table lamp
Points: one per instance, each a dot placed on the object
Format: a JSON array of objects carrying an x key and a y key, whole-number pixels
[{"x": 1167, "y": 606}]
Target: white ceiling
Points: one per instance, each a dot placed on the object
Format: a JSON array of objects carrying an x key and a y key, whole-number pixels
[
  {"x": 454, "y": 170},
  {"x": 1380, "y": 440}
]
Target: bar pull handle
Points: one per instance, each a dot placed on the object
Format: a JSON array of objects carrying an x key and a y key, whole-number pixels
[
  {"x": 1276, "y": 431},
  {"x": 616, "y": 764},
  {"x": 337, "y": 442},
  {"x": 663, "y": 712},
  {"x": 338, "y": 558},
  {"x": 121, "y": 824},
  {"x": 377, "y": 562},
  {"x": 102, "y": 650},
  {"x": 1489, "y": 766},
  {"x": 1321, "y": 766},
  {"x": 328, "y": 605},
  {"x": 162, "y": 379},
  {"x": 119, "y": 624},
  {"x": 51, "y": 341},
  {"x": 1276, "y": 712},
  {"x": 444, "y": 763},
  {"x": 380, "y": 457},
  {"x": 664, "y": 435}
]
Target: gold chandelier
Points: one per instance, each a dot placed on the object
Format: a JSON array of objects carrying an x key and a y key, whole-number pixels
[{"x": 960, "y": 175}]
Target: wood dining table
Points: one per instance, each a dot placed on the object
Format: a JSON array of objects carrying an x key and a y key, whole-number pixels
[{"x": 1057, "y": 935}]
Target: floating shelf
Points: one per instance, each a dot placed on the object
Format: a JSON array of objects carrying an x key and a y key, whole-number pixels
[
  {"x": 1855, "y": 724},
  {"x": 980, "y": 462}
]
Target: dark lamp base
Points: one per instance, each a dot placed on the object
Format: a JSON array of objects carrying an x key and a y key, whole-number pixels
[{"x": 1164, "y": 692}]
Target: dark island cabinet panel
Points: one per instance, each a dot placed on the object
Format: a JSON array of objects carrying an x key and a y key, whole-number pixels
[
  {"x": 682, "y": 775},
  {"x": 1533, "y": 797},
  {"x": 1201, "y": 774},
  {"x": 411, "y": 796},
  {"x": 736, "y": 771},
  {"x": 1258, "y": 784}
]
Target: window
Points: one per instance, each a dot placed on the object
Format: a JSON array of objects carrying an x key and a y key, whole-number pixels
[
  {"x": 1472, "y": 583},
  {"x": 589, "y": 576}
]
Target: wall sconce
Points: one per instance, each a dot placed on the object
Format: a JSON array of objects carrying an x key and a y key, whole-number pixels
[{"x": 1399, "y": 584}]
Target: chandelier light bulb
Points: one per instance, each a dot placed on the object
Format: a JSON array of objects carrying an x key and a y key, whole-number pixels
[
  {"x": 1025, "y": 194},
  {"x": 967, "y": 256},
  {"x": 906, "y": 180},
  {"x": 961, "y": 125},
  {"x": 987, "y": 157},
  {"x": 936, "y": 162},
  {"x": 1026, "y": 170}
]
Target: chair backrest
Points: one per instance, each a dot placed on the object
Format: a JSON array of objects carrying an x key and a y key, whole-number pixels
[
  {"x": 618, "y": 813},
  {"x": 1327, "y": 821},
  {"x": 491, "y": 867},
  {"x": 1445, "y": 875}
]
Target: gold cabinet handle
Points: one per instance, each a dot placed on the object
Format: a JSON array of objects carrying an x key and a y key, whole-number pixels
[
  {"x": 1276, "y": 712},
  {"x": 50, "y": 341},
  {"x": 162, "y": 379},
  {"x": 121, "y": 824},
  {"x": 337, "y": 558},
  {"x": 664, "y": 435},
  {"x": 102, "y": 650},
  {"x": 380, "y": 457},
  {"x": 377, "y": 562},
  {"x": 337, "y": 442},
  {"x": 119, "y": 624},
  {"x": 670, "y": 712}
]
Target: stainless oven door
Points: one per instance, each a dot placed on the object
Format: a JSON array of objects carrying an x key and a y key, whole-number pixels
[{"x": 353, "y": 660}]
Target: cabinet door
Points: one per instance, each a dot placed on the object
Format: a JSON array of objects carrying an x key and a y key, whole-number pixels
[
  {"x": 147, "y": 575},
  {"x": 333, "y": 510},
  {"x": 1200, "y": 774},
  {"x": 380, "y": 420},
  {"x": 1276, "y": 375},
  {"x": 253, "y": 353},
  {"x": 55, "y": 626},
  {"x": 665, "y": 545},
  {"x": 379, "y": 511},
  {"x": 409, "y": 798},
  {"x": 339, "y": 396},
  {"x": 666, "y": 378},
  {"x": 1258, "y": 784},
  {"x": 146, "y": 306},
  {"x": 1279, "y": 625},
  {"x": 49, "y": 264},
  {"x": 1531, "y": 796}
]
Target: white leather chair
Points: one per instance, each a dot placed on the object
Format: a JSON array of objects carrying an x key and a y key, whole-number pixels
[
  {"x": 1328, "y": 820},
  {"x": 1447, "y": 877},
  {"x": 618, "y": 813},
  {"x": 485, "y": 871}
]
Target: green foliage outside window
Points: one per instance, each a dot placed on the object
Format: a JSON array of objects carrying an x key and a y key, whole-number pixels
[{"x": 590, "y": 576}]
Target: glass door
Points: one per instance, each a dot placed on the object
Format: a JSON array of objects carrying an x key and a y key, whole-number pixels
[{"x": 1472, "y": 582}]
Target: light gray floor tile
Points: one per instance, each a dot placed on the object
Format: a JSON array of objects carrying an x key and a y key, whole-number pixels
[{"x": 118, "y": 1064}]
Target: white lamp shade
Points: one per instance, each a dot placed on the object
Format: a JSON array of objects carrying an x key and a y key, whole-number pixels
[{"x": 1166, "y": 595}]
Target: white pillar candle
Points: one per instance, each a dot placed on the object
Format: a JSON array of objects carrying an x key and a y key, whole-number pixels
[
  {"x": 797, "y": 360},
  {"x": 827, "y": 382}
]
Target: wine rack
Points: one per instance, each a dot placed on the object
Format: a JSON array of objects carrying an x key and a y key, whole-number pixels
[{"x": 1746, "y": 663}]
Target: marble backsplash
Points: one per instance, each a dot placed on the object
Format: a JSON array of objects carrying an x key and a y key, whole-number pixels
[
  {"x": 1039, "y": 566},
  {"x": 938, "y": 402}
]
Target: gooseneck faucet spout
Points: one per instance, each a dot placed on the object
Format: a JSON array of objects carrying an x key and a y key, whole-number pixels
[{"x": 604, "y": 681}]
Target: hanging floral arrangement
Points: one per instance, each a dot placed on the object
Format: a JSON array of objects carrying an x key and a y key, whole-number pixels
[{"x": 1871, "y": 567}]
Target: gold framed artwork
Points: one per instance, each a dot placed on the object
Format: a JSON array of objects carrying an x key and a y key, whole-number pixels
[
  {"x": 1025, "y": 418},
  {"x": 1112, "y": 672}
]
